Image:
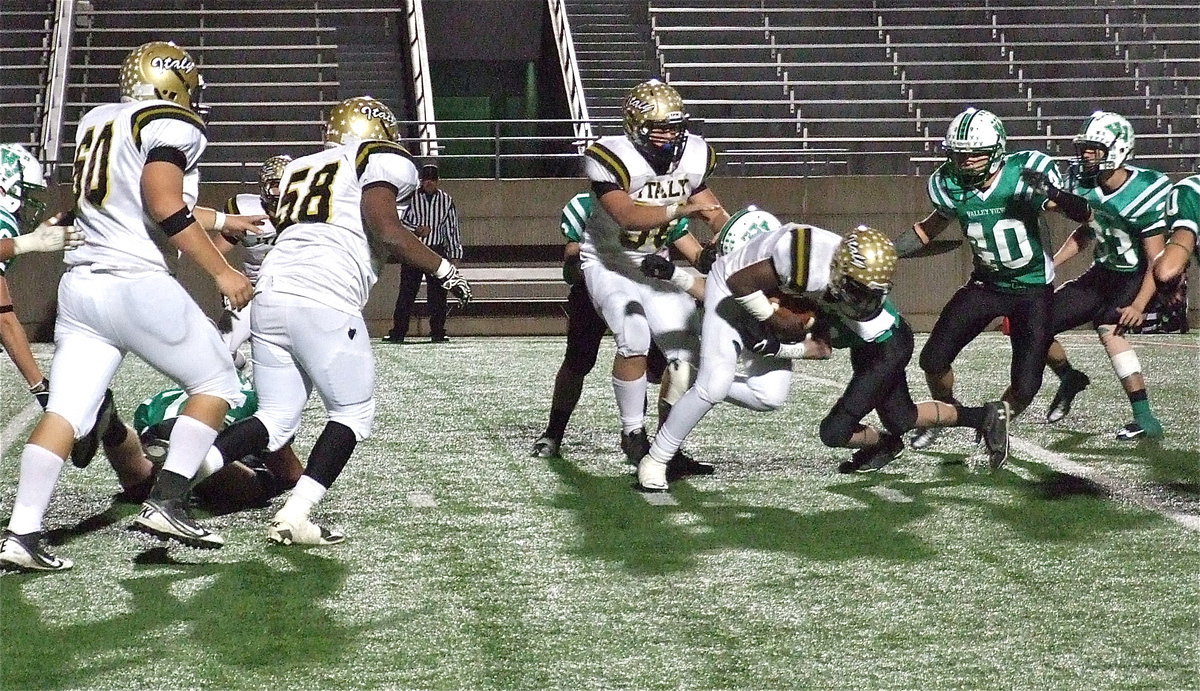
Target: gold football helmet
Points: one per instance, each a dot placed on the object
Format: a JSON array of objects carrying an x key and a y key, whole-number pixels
[
  {"x": 361, "y": 117},
  {"x": 269, "y": 177},
  {"x": 860, "y": 276},
  {"x": 161, "y": 69},
  {"x": 654, "y": 106}
]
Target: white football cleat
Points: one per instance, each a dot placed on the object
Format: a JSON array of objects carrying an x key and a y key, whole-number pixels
[
  {"x": 652, "y": 475},
  {"x": 302, "y": 532}
]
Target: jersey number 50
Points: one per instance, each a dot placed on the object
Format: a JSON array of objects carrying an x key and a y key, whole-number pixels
[{"x": 307, "y": 196}]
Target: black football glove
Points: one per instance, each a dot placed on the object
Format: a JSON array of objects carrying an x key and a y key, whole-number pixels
[
  {"x": 573, "y": 271},
  {"x": 1039, "y": 181},
  {"x": 655, "y": 266},
  {"x": 456, "y": 284},
  {"x": 41, "y": 392},
  {"x": 708, "y": 257},
  {"x": 767, "y": 343}
]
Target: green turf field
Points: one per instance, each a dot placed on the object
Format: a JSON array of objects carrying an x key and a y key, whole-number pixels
[{"x": 470, "y": 565}]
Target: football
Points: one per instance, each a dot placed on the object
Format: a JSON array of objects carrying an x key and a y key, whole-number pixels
[{"x": 798, "y": 315}]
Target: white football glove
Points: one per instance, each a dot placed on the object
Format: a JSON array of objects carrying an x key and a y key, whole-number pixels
[
  {"x": 48, "y": 238},
  {"x": 457, "y": 285}
]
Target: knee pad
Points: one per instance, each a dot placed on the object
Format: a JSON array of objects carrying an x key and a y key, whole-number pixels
[
  {"x": 1126, "y": 364},
  {"x": 837, "y": 428},
  {"x": 679, "y": 382},
  {"x": 358, "y": 417},
  {"x": 634, "y": 339}
]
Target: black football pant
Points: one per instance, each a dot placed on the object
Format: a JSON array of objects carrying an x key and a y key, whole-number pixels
[
  {"x": 878, "y": 383},
  {"x": 1094, "y": 297},
  {"x": 969, "y": 312}
]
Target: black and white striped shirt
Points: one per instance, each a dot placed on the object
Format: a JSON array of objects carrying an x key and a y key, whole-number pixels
[{"x": 436, "y": 211}]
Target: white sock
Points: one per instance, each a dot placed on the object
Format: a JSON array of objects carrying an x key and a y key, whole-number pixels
[
  {"x": 39, "y": 475},
  {"x": 631, "y": 402},
  {"x": 684, "y": 417},
  {"x": 190, "y": 441},
  {"x": 306, "y": 494},
  {"x": 212, "y": 463}
]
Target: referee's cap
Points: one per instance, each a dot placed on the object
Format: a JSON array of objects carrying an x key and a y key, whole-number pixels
[{"x": 429, "y": 171}]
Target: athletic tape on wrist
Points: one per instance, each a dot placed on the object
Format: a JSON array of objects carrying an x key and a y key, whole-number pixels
[{"x": 757, "y": 305}]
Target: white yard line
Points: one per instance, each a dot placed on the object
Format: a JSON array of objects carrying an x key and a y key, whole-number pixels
[
  {"x": 659, "y": 498},
  {"x": 421, "y": 500},
  {"x": 1063, "y": 464},
  {"x": 16, "y": 426}
]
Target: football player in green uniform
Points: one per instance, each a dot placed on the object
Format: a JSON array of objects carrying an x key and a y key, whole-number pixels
[
  {"x": 982, "y": 188},
  {"x": 1127, "y": 205},
  {"x": 1181, "y": 218},
  {"x": 21, "y": 177}
]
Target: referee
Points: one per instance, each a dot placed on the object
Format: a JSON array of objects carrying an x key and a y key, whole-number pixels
[{"x": 432, "y": 216}]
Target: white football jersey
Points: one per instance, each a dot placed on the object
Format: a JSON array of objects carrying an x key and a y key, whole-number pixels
[
  {"x": 323, "y": 252},
  {"x": 113, "y": 143},
  {"x": 256, "y": 245},
  {"x": 615, "y": 160}
]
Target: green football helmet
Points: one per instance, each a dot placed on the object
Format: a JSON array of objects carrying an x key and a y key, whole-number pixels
[
  {"x": 1109, "y": 133},
  {"x": 21, "y": 176},
  {"x": 972, "y": 133}
]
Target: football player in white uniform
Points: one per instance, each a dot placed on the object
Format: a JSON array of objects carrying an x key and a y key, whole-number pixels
[
  {"x": 136, "y": 179},
  {"x": 336, "y": 219},
  {"x": 235, "y": 325},
  {"x": 21, "y": 176},
  {"x": 653, "y": 175},
  {"x": 728, "y": 371}
]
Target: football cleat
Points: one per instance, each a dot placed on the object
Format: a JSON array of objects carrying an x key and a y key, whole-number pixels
[
  {"x": 924, "y": 438},
  {"x": 86, "y": 447},
  {"x": 1071, "y": 386},
  {"x": 652, "y": 475},
  {"x": 871, "y": 458},
  {"x": 682, "y": 465},
  {"x": 25, "y": 553},
  {"x": 1147, "y": 428},
  {"x": 546, "y": 447},
  {"x": 994, "y": 432},
  {"x": 635, "y": 445},
  {"x": 167, "y": 519},
  {"x": 302, "y": 532}
]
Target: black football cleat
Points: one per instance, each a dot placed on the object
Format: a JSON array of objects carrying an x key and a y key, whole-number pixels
[
  {"x": 1071, "y": 386},
  {"x": 635, "y": 445},
  {"x": 871, "y": 458}
]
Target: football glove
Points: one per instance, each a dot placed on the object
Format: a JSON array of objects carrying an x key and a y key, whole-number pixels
[
  {"x": 708, "y": 256},
  {"x": 41, "y": 392},
  {"x": 1039, "y": 181},
  {"x": 573, "y": 271},
  {"x": 456, "y": 284},
  {"x": 655, "y": 266},
  {"x": 767, "y": 343}
]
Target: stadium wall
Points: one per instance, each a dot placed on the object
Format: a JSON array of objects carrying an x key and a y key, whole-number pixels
[{"x": 510, "y": 221}]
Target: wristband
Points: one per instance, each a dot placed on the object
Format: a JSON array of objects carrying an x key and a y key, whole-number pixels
[
  {"x": 444, "y": 269},
  {"x": 683, "y": 279},
  {"x": 219, "y": 222},
  {"x": 757, "y": 305},
  {"x": 672, "y": 210},
  {"x": 177, "y": 222},
  {"x": 792, "y": 351}
]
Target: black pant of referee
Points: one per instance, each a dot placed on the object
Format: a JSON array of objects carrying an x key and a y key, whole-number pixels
[{"x": 435, "y": 299}]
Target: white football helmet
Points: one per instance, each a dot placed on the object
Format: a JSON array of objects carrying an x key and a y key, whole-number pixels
[
  {"x": 974, "y": 132},
  {"x": 1109, "y": 133},
  {"x": 744, "y": 225},
  {"x": 20, "y": 176}
]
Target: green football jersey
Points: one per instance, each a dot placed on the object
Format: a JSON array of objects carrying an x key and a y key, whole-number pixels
[
  {"x": 165, "y": 405},
  {"x": 9, "y": 228},
  {"x": 575, "y": 215},
  {"x": 1182, "y": 208},
  {"x": 1003, "y": 224},
  {"x": 848, "y": 333},
  {"x": 1126, "y": 216}
]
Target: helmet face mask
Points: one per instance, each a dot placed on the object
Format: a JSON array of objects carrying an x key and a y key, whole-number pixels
[
  {"x": 163, "y": 70},
  {"x": 269, "y": 177},
  {"x": 655, "y": 121},
  {"x": 1103, "y": 144},
  {"x": 974, "y": 146},
  {"x": 360, "y": 118},
  {"x": 21, "y": 176},
  {"x": 744, "y": 225},
  {"x": 860, "y": 275}
]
